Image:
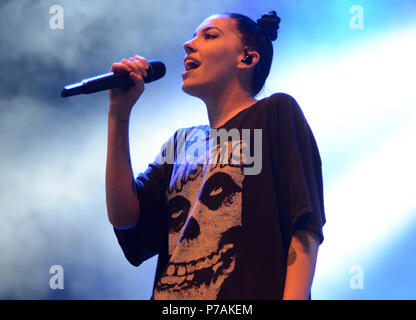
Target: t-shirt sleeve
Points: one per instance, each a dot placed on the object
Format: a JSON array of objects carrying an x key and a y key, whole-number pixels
[
  {"x": 149, "y": 236},
  {"x": 300, "y": 171}
]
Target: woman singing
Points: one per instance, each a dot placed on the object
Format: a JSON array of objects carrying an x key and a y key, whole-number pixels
[{"x": 238, "y": 217}]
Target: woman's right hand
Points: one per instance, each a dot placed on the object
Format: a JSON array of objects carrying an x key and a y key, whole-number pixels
[{"x": 121, "y": 100}]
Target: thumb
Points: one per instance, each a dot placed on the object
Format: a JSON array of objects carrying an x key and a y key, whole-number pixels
[{"x": 138, "y": 80}]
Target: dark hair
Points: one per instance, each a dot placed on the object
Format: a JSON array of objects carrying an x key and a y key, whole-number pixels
[{"x": 258, "y": 37}]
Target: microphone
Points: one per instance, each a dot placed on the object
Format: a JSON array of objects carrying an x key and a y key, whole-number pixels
[{"x": 109, "y": 80}]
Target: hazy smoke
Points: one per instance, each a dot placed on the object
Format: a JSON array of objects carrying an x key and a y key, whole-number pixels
[{"x": 52, "y": 200}]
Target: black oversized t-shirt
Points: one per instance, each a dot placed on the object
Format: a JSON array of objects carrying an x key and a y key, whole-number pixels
[{"x": 220, "y": 213}]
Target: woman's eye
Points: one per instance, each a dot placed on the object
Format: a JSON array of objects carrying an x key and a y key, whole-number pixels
[{"x": 210, "y": 36}]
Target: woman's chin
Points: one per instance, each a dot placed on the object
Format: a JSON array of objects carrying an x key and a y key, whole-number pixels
[{"x": 192, "y": 90}]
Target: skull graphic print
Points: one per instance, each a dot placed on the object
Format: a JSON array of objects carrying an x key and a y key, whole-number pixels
[{"x": 204, "y": 202}]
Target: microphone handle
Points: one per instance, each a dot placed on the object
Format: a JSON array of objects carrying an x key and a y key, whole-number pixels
[
  {"x": 105, "y": 82},
  {"x": 109, "y": 80},
  {"x": 98, "y": 83}
]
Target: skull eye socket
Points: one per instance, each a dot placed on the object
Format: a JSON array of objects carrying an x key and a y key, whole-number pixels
[
  {"x": 178, "y": 212},
  {"x": 218, "y": 191}
]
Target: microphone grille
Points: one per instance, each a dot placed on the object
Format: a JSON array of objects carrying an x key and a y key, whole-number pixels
[{"x": 157, "y": 70}]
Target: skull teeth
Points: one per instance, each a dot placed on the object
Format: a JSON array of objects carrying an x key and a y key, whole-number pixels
[{"x": 180, "y": 271}]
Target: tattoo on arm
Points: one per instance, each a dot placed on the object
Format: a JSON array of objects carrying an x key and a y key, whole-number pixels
[
  {"x": 291, "y": 257},
  {"x": 302, "y": 237}
]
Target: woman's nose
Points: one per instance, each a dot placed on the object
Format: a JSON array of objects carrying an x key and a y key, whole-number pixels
[{"x": 189, "y": 47}]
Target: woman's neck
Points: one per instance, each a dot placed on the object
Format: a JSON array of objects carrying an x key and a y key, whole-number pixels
[{"x": 225, "y": 105}]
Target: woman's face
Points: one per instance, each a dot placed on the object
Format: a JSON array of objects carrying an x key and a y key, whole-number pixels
[{"x": 212, "y": 57}]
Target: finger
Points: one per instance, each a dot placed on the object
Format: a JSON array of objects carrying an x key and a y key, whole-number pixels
[
  {"x": 119, "y": 68},
  {"x": 134, "y": 65},
  {"x": 137, "y": 79},
  {"x": 140, "y": 65},
  {"x": 143, "y": 60},
  {"x": 130, "y": 65}
]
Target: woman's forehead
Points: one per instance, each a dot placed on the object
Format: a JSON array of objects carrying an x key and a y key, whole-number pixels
[{"x": 223, "y": 22}]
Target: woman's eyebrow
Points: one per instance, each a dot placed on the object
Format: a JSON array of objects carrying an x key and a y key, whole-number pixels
[{"x": 209, "y": 28}]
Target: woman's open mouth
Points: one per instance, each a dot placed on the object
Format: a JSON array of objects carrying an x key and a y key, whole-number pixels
[{"x": 191, "y": 64}]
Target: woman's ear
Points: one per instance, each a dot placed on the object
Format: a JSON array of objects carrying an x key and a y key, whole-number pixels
[{"x": 249, "y": 60}]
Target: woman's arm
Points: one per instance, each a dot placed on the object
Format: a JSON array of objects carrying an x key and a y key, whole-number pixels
[
  {"x": 301, "y": 262},
  {"x": 122, "y": 200},
  {"x": 121, "y": 192}
]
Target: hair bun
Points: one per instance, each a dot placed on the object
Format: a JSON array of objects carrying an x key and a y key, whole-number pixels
[{"x": 269, "y": 24}]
